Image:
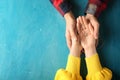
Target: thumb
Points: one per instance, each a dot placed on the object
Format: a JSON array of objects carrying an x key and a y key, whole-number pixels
[{"x": 96, "y": 29}]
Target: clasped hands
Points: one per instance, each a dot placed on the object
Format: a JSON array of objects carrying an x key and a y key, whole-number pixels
[{"x": 84, "y": 32}]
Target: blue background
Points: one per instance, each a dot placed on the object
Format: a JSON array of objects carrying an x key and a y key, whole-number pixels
[{"x": 33, "y": 44}]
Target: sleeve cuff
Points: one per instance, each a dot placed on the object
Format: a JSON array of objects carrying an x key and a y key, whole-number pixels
[
  {"x": 99, "y": 6},
  {"x": 62, "y": 6},
  {"x": 92, "y": 7},
  {"x": 73, "y": 64},
  {"x": 96, "y": 2},
  {"x": 93, "y": 64}
]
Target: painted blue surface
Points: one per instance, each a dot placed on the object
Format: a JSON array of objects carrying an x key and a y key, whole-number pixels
[{"x": 32, "y": 41}]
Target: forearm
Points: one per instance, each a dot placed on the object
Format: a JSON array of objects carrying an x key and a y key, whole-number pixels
[
  {"x": 76, "y": 48},
  {"x": 89, "y": 51},
  {"x": 93, "y": 64},
  {"x": 72, "y": 71},
  {"x": 74, "y": 56},
  {"x": 69, "y": 16},
  {"x": 75, "y": 53},
  {"x": 73, "y": 64},
  {"x": 95, "y": 70}
]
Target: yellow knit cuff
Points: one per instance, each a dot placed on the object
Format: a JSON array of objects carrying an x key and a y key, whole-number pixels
[
  {"x": 73, "y": 64},
  {"x": 65, "y": 75},
  {"x": 93, "y": 64}
]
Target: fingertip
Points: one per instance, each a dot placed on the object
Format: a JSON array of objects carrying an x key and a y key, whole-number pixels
[
  {"x": 77, "y": 17},
  {"x": 80, "y": 17},
  {"x": 77, "y": 20},
  {"x": 83, "y": 17}
]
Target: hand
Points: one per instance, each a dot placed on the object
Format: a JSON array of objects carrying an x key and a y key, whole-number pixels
[
  {"x": 86, "y": 33},
  {"x": 70, "y": 28},
  {"x": 92, "y": 19}
]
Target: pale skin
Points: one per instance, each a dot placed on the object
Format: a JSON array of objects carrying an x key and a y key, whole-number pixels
[
  {"x": 94, "y": 22},
  {"x": 86, "y": 34},
  {"x": 85, "y": 39},
  {"x": 76, "y": 47},
  {"x": 70, "y": 28},
  {"x": 71, "y": 25}
]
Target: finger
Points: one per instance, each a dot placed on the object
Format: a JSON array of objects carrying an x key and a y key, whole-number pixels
[
  {"x": 80, "y": 20},
  {"x": 95, "y": 26},
  {"x": 84, "y": 21},
  {"x": 96, "y": 31},
  {"x": 68, "y": 40},
  {"x": 79, "y": 29},
  {"x": 82, "y": 28},
  {"x": 78, "y": 25},
  {"x": 91, "y": 29}
]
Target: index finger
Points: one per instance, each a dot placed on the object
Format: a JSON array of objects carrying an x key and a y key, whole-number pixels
[{"x": 84, "y": 22}]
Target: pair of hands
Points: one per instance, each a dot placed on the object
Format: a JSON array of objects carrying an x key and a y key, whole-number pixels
[{"x": 81, "y": 33}]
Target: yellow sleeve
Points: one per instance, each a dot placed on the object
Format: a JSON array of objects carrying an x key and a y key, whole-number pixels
[
  {"x": 72, "y": 71},
  {"x": 95, "y": 70}
]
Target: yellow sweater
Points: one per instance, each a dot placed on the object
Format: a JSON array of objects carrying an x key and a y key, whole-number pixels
[{"x": 95, "y": 70}]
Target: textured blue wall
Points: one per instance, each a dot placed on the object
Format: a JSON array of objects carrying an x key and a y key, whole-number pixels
[{"x": 32, "y": 41}]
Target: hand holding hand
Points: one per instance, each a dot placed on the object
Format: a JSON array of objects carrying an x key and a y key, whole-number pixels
[{"x": 86, "y": 34}]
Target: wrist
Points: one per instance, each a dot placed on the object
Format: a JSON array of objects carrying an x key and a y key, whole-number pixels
[
  {"x": 76, "y": 50},
  {"x": 69, "y": 16},
  {"x": 89, "y": 51},
  {"x": 89, "y": 15}
]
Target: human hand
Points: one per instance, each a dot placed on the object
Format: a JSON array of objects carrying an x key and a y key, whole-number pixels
[
  {"x": 92, "y": 19},
  {"x": 70, "y": 28},
  {"x": 86, "y": 33},
  {"x": 72, "y": 36}
]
